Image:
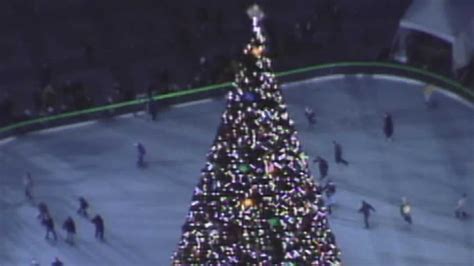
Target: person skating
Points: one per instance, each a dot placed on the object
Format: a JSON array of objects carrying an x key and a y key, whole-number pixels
[
  {"x": 427, "y": 93},
  {"x": 310, "y": 116},
  {"x": 28, "y": 182},
  {"x": 141, "y": 154},
  {"x": 338, "y": 154},
  {"x": 49, "y": 224},
  {"x": 405, "y": 210},
  {"x": 152, "y": 108},
  {"x": 330, "y": 190},
  {"x": 323, "y": 166},
  {"x": 57, "y": 262},
  {"x": 366, "y": 209},
  {"x": 70, "y": 228},
  {"x": 99, "y": 227},
  {"x": 388, "y": 126},
  {"x": 43, "y": 211},
  {"x": 83, "y": 205},
  {"x": 460, "y": 211}
]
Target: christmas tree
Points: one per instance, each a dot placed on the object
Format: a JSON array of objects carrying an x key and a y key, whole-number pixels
[{"x": 256, "y": 202}]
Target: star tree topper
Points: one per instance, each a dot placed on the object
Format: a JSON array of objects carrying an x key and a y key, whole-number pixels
[{"x": 256, "y": 14}]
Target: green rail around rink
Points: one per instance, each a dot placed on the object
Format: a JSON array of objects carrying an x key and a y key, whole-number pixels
[{"x": 456, "y": 87}]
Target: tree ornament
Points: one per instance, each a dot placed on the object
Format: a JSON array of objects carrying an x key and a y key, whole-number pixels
[
  {"x": 269, "y": 168},
  {"x": 247, "y": 203},
  {"x": 244, "y": 168},
  {"x": 249, "y": 96},
  {"x": 274, "y": 221},
  {"x": 257, "y": 51},
  {"x": 304, "y": 157}
]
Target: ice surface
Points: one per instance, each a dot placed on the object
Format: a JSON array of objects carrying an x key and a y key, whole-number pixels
[{"x": 430, "y": 162}]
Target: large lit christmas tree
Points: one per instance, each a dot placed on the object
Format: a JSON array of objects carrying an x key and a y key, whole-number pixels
[{"x": 256, "y": 202}]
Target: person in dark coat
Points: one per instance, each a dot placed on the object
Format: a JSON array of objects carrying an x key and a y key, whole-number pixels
[
  {"x": 141, "y": 154},
  {"x": 365, "y": 209},
  {"x": 405, "y": 210},
  {"x": 83, "y": 205},
  {"x": 323, "y": 167},
  {"x": 99, "y": 227},
  {"x": 388, "y": 126},
  {"x": 70, "y": 228},
  {"x": 49, "y": 224},
  {"x": 310, "y": 116},
  {"x": 43, "y": 211},
  {"x": 153, "y": 109},
  {"x": 28, "y": 182},
  {"x": 338, "y": 153},
  {"x": 57, "y": 262}
]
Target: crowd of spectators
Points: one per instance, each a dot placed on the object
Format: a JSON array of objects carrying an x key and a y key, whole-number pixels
[{"x": 179, "y": 45}]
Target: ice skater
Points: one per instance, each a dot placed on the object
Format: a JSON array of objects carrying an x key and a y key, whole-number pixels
[
  {"x": 388, "y": 126},
  {"x": 140, "y": 154},
  {"x": 99, "y": 227},
  {"x": 57, "y": 262},
  {"x": 49, "y": 224},
  {"x": 330, "y": 190},
  {"x": 338, "y": 154},
  {"x": 323, "y": 166},
  {"x": 43, "y": 211},
  {"x": 460, "y": 211},
  {"x": 70, "y": 227},
  {"x": 83, "y": 205},
  {"x": 405, "y": 210},
  {"x": 152, "y": 108},
  {"x": 28, "y": 183},
  {"x": 428, "y": 96},
  {"x": 310, "y": 116},
  {"x": 366, "y": 209}
]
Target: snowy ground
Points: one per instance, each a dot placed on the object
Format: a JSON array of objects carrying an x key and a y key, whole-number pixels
[{"x": 431, "y": 162}]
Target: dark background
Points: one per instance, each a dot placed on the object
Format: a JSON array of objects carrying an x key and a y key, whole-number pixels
[{"x": 95, "y": 52}]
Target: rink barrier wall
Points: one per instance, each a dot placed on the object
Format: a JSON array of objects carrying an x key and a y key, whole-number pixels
[{"x": 218, "y": 90}]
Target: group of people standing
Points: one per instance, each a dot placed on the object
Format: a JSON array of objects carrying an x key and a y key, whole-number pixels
[{"x": 329, "y": 189}]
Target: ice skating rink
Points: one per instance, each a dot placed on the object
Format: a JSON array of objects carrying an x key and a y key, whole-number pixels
[{"x": 430, "y": 161}]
